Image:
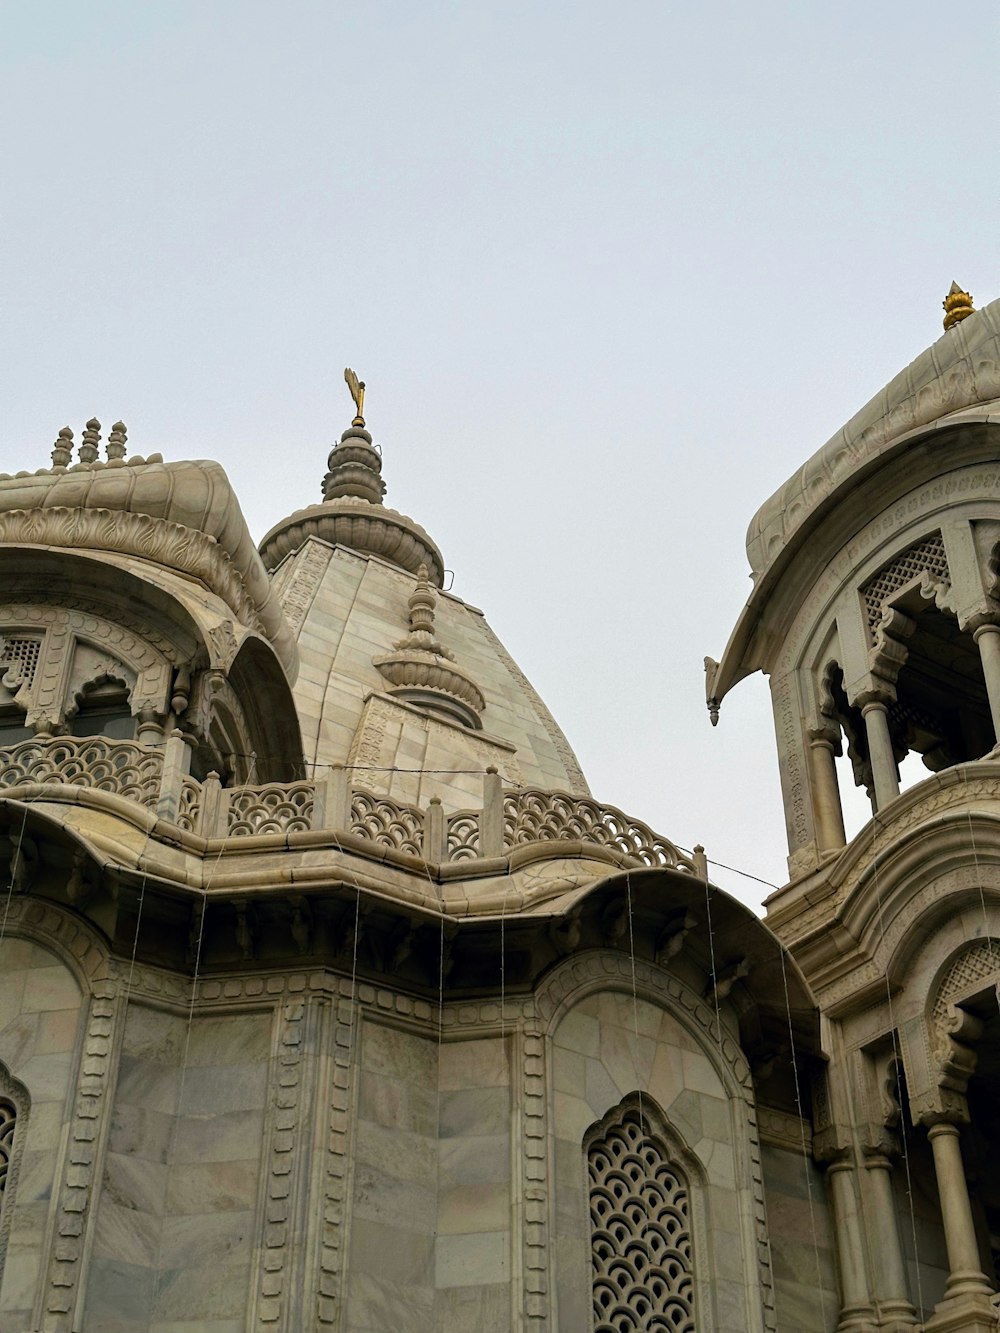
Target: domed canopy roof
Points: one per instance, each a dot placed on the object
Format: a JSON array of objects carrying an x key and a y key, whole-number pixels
[
  {"x": 910, "y": 428},
  {"x": 960, "y": 371}
]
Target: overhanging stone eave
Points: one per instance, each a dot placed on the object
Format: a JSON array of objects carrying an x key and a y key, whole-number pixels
[{"x": 746, "y": 651}]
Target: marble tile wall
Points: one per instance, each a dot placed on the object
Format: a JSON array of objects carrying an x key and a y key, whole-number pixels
[
  {"x": 390, "y": 1267},
  {"x": 40, "y": 1017},
  {"x": 176, "y": 1225},
  {"x": 473, "y": 1250},
  {"x": 806, "y": 1295}
]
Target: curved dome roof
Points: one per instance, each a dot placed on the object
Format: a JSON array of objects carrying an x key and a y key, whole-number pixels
[
  {"x": 959, "y": 371},
  {"x": 401, "y": 682}
]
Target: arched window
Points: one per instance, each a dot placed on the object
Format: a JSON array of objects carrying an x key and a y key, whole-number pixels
[{"x": 640, "y": 1220}]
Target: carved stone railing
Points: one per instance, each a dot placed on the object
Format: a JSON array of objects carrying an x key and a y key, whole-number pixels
[
  {"x": 189, "y": 804},
  {"x": 157, "y": 778},
  {"x": 387, "y": 823},
  {"x": 121, "y": 767},
  {"x": 463, "y": 836},
  {"x": 274, "y": 807},
  {"x": 535, "y": 815}
]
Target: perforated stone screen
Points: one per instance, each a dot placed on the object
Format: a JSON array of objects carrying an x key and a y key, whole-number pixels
[
  {"x": 19, "y": 657},
  {"x": 640, "y": 1234},
  {"x": 923, "y": 557}
]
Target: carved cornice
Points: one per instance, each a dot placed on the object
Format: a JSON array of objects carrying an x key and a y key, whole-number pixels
[
  {"x": 139, "y": 535},
  {"x": 181, "y": 515}
]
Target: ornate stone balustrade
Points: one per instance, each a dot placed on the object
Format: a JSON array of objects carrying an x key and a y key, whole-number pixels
[
  {"x": 387, "y": 823},
  {"x": 120, "y": 767},
  {"x": 272, "y": 808},
  {"x": 535, "y": 815},
  {"x": 156, "y": 778}
]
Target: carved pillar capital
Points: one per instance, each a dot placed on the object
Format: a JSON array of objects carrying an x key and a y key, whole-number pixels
[{"x": 939, "y": 1106}]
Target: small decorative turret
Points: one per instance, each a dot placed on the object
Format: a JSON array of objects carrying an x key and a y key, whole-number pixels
[
  {"x": 424, "y": 672},
  {"x": 355, "y": 468},
  {"x": 352, "y": 513},
  {"x": 957, "y": 306},
  {"x": 116, "y": 441},
  {"x": 62, "y": 453},
  {"x": 91, "y": 440}
]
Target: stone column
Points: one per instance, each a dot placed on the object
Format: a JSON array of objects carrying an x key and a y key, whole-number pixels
[
  {"x": 856, "y": 1311},
  {"x": 894, "y": 1307},
  {"x": 832, "y": 1149},
  {"x": 884, "y": 775},
  {"x": 988, "y": 639},
  {"x": 965, "y": 1278},
  {"x": 826, "y": 793}
]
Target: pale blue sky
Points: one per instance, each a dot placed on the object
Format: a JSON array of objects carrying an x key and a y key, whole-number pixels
[{"x": 610, "y": 273}]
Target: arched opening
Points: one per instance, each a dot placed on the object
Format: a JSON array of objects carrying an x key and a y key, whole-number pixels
[
  {"x": 942, "y": 710},
  {"x": 641, "y": 1233},
  {"x": 103, "y": 709}
]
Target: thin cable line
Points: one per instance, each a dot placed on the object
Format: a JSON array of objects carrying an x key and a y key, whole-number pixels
[
  {"x": 179, "y": 1114},
  {"x": 15, "y": 860},
  {"x": 806, "y": 1153}
]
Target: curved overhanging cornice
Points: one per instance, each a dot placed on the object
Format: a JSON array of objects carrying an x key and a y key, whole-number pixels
[
  {"x": 138, "y": 901},
  {"x": 959, "y": 371},
  {"x": 882, "y": 895},
  {"x": 181, "y": 515},
  {"x": 914, "y": 458}
]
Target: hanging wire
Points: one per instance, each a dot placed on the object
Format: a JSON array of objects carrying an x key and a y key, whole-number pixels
[
  {"x": 15, "y": 860},
  {"x": 722, "y": 1060},
  {"x": 635, "y": 1000},
  {"x": 204, "y": 891},
  {"x": 806, "y": 1152}
]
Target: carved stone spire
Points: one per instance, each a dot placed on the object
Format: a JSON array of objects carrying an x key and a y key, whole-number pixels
[
  {"x": 116, "y": 441},
  {"x": 957, "y": 306},
  {"x": 352, "y": 513},
  {"x": 354, "y": 469},
  {"x": 62, "y": 453},
  {"x": 91, "y": 439},
  {"x": 423, "y": 672}
]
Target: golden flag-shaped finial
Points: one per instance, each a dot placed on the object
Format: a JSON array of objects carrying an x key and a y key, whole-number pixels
[
  {"x": 957, "y": 306},
  {"x": 357, "y": 388}
]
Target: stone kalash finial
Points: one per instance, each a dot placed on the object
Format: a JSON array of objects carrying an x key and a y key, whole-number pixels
[
  {"x": 116, "y": 441},
  {"x": 354, "y": 467},
  {"x": 91, "y": 440},
  {"x": 957, "y": 306},
  {"x": 352, "y": 513},
  {"x": 422, "y": 671},
  {"x": 62, "y": 452}
]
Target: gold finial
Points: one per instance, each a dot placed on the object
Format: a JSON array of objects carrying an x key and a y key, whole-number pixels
[
  {"x": 957, "y": 306},
  {"x": 357, "y": 388}
]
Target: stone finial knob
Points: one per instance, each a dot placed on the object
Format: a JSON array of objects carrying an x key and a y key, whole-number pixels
[
  {"x": 957, "y": 306},
  {"x": 116, "y": 440},
  {"x": 91, "y": 439},
  {"x": 62, "y": 453}
]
